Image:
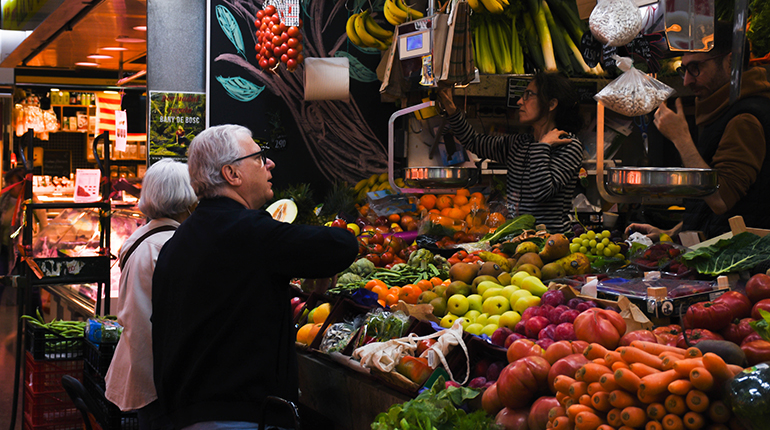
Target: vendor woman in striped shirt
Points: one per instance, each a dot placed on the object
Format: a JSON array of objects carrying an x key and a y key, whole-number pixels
[{"x": 542, "y": 164}]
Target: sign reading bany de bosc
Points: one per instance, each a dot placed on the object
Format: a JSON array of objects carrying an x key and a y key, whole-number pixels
[
  {"x": 26, "y": 14},
  {"x": 175, "y": 120}
]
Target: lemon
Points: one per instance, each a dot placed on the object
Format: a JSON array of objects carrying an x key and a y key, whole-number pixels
[
  {"x": 321, "y": 312},
  {"x": 665, "y": 238}
]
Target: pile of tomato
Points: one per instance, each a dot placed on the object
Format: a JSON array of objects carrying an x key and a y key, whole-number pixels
[{"x": 276, "y": 42}]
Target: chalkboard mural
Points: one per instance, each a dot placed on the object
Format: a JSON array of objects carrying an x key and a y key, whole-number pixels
[{"x": 317, "y": 142}]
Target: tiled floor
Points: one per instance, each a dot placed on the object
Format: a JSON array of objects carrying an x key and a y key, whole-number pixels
[{"x": 8, "y": 326}]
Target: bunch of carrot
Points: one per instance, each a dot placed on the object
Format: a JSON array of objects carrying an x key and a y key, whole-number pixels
[{"x": 643, "y": 386}]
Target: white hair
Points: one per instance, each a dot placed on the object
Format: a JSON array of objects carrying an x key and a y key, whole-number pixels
[
  {"x": 166, "y": 190},
  {"x": 211, "y": 150}
]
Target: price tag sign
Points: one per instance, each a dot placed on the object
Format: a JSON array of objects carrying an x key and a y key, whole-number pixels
[
  {"x": 290, "y": 12},
  {"x": 121, "y": 130},
  {"x": 516, "y": 87},
  {"x": 87, "y": 185},
  {"x": 591, "y": 49}
]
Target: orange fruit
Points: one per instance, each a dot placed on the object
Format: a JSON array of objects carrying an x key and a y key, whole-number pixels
[
  {"x": 480, "y": 230},
  {"x": 391, "y": 299},
  {"x": 436, "y": 281},
  {"x": 446, "y": 211},
  {"x": 495, "y": 219},
  {"x": 464, "y": 192},
  {"x": 424, "y": 285},
  {"x": 477, "y": 196},
  {"x": 460, "y": 200},
  {"x": 314, "y": 330},
  {"x": 394, "y": 290},
  {"x": 380, "y": 291},
  {"x": 428, "y": 201},
  {"x": 444, "y": 201},
  {"x": 456, "y": 213},
  {"x": 410, "y": 293},
  {"x": 321, "y": 312},
  {"x": 382, "y": 302},
  {"x": 394, "y": 217},
  {"x": 434, "y": 211},
  {"x": 304, "y": 332},
  {"x": 374, "y": 282}
]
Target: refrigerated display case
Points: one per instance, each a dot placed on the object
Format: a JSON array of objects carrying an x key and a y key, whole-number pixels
[{"x": 75, "y": 233}]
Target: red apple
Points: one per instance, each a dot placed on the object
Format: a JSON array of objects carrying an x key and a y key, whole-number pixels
[
  {"x": 564, "y": 331},
  {"x": 534, "y": 325},
  {"x": 339, "y": 222}
]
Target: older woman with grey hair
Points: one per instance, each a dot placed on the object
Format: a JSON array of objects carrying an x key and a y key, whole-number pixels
[{"x": 167, "y": 199}]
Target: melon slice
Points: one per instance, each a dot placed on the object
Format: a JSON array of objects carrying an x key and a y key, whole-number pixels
[{"x": 284, "y": 210}]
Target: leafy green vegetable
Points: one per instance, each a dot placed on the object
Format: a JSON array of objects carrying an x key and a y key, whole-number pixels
[
  {"x": 762, "y": 326},
  {"x": 740, "y": 252},
  {"x": 759, "y": 30},
  {"x": 435, "y": 409},
  {"x": 511, "y": 227}
]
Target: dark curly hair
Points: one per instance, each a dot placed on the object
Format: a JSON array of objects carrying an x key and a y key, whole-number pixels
[{"x": 556, "y": 85}]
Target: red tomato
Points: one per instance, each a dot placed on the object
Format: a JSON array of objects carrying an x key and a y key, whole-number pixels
[
  {"x": 292, "y": 52},
  {"x": 756, "y": 351},
  {"x": 376, "y": 248},
  {"x": 737, "y": 330},
  {"x": 523, "y": 348},
  {"x": 708, "y": 315},
  {"x": 269, "y": 10},
  {"x": 600, "y": 326},
  {"x": 643, "y": 335},
  {"x": 764, "y": 305},
  {"x": 292, "y": 31},
  {"x": 275, "y": 19},
  {"x": 284, "y": 60},
  {"x": 697, "y": 335},
  {"x": 387, "y": 258},
  {"x": 738, "y": 302},
  {"x": 291, "y": 63},
  {"x": 260, "y": 14},
  {"x": 263, "y": 63},
  {"x": 668, "y": 335},
  {"x": 374, "y": 259},
  {"x": 423, "y": 346},
  {"x": 521, "y": 380},
  {"x": 377, "y": 238},
  {"x": 276, "y": 40},
  {"x": 758, "y": 287},
  {"x": 282, "y": 28}
]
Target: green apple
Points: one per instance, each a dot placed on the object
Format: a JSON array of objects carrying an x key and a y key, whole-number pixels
[
  {"x": 482, "y": 319},
  {"x": 485, "y": 285},
  {"x": 494, "y": 319},
  {"x": 474, "y": 302},
  {"x": 518, "y": 277},
  {"x": 509, "y": 319},
  {"x": 508, "y": 290},
  {"x": 448, "y": 320},
  {"x": 526, "y": 302},
  {"x": 489, "y": 329},
  {"x": 491, "y": 292},
  {"x": 516, "y": 295},
  {"x": 472, "y": 315},
  {"x": 534, "y": 285},
  {"x": 496, "y": 305},
  {"x": 474, "y": 328},
  {"x": 457, "y": 304},
  {"x": 464, "y": 322}
]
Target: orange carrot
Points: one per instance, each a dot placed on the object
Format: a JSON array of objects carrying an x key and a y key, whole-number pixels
[
  {"x": 693, "y": 352},
  {"x": 585, "y": 399},
  {"x": 655, "y": 348},
  {"x": 555, "y": 412},
  {"x": 657, "y": 382},
  {"x": 562, "y": 383},
  {"x": 619, "y": 365},
  {"x": 680, "y": 387},
  {"x": 675, "y": 404},
  {"x": 693, "y": 421},
  {"x": 601, "y": 401},
  {"x": 588, "y": 421},
  {"x": 697, "y": 401},
  {"x": 642, "y": 369},
  {"x": 630, "y": 354},
  {"x": 653, "y": 425},
  {"x": 683, "y": 367},
  {"x": 605, "y": 427},
  {"x": 612, "y": 357},
  {"x": 575, "y": 409},
  {"x": 717, "y": 366},
  {"x": 648, "y": 398},
  {"x": 672, "y": 422},
  {"x": 625, "y": 428},
  {"x": 594, "y": 350},
  {"x": 594, "y": 387},
  {"x": 671, "y": 354},
  {"x": 613, "y": 417},
  {"x": 627, "y": 380},
  {"x": 702, "y": 379},
  {"x": 562, "y": 423},
  {"x": 633, "y": 416},
  {"x": 600, "y": 361},
  {"x": 716, "y": 426},
  {"x": 591, "y": 372},
  {"x": 622, "y": 399},
  {"x": 734, "y": 369},
  {"x": 569, "y": 401},
  {"x": 608, "y": 382},
  {"x": 561, "y": 396},
  {"x": 577, "y": 389},
  {"x": 656, "y": 411}
]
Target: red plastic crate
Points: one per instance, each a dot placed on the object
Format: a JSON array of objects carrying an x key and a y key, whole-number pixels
[
  {"x": 47, "y": 409},
  {"x": 44, "y": 376},
  {"x": 76, "y": 425}
]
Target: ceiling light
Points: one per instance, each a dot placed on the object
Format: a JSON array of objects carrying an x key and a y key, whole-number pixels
[
  {"x": 86, "y": 63},
  {"x": 126, "y": 39},
  {"x": 114, "y": 48},
  {"x": 100, "y": 57},
  {"x": 140, "y": 28}
]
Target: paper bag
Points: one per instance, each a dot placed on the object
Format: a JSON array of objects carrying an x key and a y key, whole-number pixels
[{"x": 634, "y": 317}]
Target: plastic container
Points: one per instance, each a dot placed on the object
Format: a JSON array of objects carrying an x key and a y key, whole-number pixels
[
  {"x": 97, "y": 359},
  {"x": 108, "y": 414},
  {"x": 47, "y": 409},
  {"x": 45, "y": 376},
  {"x": 45, "y": 344}
]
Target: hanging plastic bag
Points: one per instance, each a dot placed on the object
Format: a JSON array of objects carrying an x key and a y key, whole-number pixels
[
  {"x": 633, "y": 93},
  {"x": 615, "y": 22}
]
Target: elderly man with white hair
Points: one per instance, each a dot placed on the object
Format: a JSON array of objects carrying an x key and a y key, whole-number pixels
[
  {"x": 167, "y": 199},
  {"x": 223, "y": 335}
]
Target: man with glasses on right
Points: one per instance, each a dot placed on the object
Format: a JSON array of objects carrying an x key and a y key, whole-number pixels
[{"x": 731, "y": 139}]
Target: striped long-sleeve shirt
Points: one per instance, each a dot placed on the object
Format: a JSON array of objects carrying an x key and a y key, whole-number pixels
[{"x": 541, "y": 179}]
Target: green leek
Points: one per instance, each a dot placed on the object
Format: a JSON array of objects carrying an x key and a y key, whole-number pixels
[{"x": 541, "y": 25}]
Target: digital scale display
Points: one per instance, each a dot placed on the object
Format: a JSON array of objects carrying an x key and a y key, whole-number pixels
[{"x": 414, "y": 42}]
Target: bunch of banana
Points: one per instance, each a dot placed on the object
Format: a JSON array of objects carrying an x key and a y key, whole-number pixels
[
  {"x": 363, "y": 31},
  {"x": 491, "y": 6},
  {"x": 397, "y": 12},
  {"x": 376, "y": 182}
]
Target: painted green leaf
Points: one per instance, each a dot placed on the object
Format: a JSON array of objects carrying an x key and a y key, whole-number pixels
[
  {"x": 240, "y": 89},
  {"x": 230, "y": 27},
  {"x": 358, "y": 71}
]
